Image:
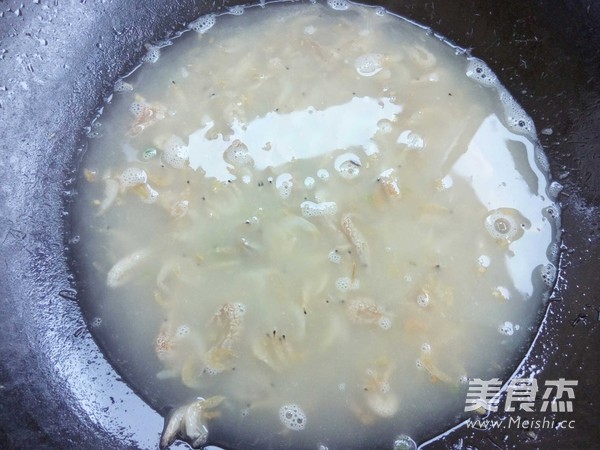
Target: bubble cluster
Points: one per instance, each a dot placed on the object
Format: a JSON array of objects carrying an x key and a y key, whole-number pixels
[
  {"x": 338, "y": 5},
  {"x": 96, "y": 322},
  {"x": 484, "y": 261},
  {"x": 426, "y": 348},
  {"x": 203, "y": 24},
  {"x": 516, "y": 117},
  {"x": 149, "y": 153},
  {"x": 150, "y": 196},
  {"x": 502, "y": 226},
  {"x": 323, "y": 174},
  {"x": 284, "y": 184},
  {"x": 344, "y": 284},
  {"x": 383, "y": 405},
  {"x": 480, "y": 72},
  {"x": 555, "y": 189},
  {"x": 237, "y": 154},
  {"x": 385, "y": 126},
  {"x": 292, "y": 417},
  {"x": 122, "y": 86},
  {"x": 152, "y": 53},
  {"x": 506, "y": 328},
  {"x": 182, "y": 331},
  {"x": 312, "y": 209},
  {"x": 404, "y": 442},
  {"x": 541, "y": 159},
  {"x": 548, "y": 274},
  {"x": 176, "y": 153},
  {"x": 335, "y": 257},
  {"x": 423, "y": 299},
  {"x": 309, "y": 182},
  {"x": 237, "y": 10},
  {"x": 369, "y": 64},
  {"x": 137, "y": 108},
  {"x": 412, "y": 140},
  {"x": 385, "y": 323},
  {"x": 132, "y": 176},
  {"x": 348, "y": 165}
]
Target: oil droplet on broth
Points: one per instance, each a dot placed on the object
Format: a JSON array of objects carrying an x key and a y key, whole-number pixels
[{"x": 312, "y": 216}]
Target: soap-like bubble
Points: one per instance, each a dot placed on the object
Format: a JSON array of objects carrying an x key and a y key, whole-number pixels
[
  {"x": 292, "y": 417},
  {"x": 309, "y": 182},
  {"x": 203, "y": 24}
]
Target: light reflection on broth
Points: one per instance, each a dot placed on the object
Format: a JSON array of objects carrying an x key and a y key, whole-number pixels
[{"x": 320, "y": 220}]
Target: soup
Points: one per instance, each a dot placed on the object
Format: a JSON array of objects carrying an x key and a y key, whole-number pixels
[{"x": 310, "y": 225}]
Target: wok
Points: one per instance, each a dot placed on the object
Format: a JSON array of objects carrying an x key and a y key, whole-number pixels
[{"x": 58, "y": 62}]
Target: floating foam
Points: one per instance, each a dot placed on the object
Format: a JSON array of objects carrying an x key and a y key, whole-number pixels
[
  {"x": 555, "y": 189},
  {"x": 203, "y": 24},
  {"x": 312, "y": 209},
  {"x": 335, "y": 257},
  {"x": 323, "y": 174},
  {"x": 548, "y": 273},
  {"x": 152, "y": 53},
  {"x": 132, "y": 176},
  {"x": 423, "y": 300},
  {"x": 292, "y": 417},
  {"x": 338, "y": 5},
  {"x": 502, "y": 226},
  {"x": 384, "y": 323},
  {"x": 237, "y": 10},
  {"x": 369, "y": 64},
  {"x": 412, "y": 140},
  {"x": 516, "y": 117},
  {"x": 348, "y": 165},
  {"x": 237, "y": 154},
  {"x": 480, "y": 72},
  {"x": 284, "y": 184},
  {"x": 506, "y": 328},
  {"x": 176, "y": 153}
]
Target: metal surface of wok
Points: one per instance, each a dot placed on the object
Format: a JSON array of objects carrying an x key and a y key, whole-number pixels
[{"x": 58, "y": 61}]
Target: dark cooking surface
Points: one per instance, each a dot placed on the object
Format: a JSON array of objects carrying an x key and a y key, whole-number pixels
[{"x": 57, "y": 61}]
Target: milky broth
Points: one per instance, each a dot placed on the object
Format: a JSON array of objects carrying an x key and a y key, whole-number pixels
[{"x": 320, "y": 217}]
